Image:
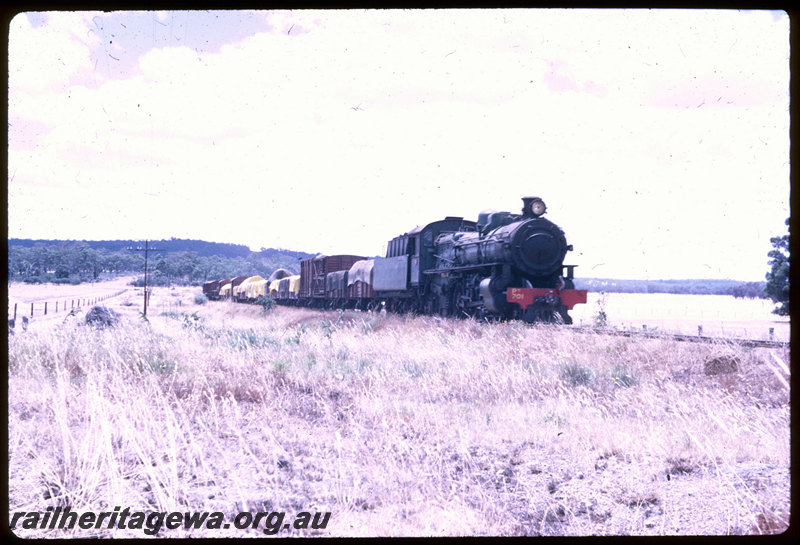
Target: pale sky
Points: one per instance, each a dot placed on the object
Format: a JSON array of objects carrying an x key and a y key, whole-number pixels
[{"x": 659, "y": 139}]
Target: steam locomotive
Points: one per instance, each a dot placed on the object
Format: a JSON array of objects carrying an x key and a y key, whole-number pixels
[{"x": 504, "y": 266}]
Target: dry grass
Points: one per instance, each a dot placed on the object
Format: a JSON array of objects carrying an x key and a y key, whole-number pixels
[{"x": 397, "y": 425}]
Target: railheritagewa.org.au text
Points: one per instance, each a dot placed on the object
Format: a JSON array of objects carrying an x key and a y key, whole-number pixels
[{"x": 151, "y": 523}]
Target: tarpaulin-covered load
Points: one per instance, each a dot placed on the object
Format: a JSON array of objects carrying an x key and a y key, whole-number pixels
[
  {"x": 261, "y": 288},
  {"x": 390, "y": 274},
  {"x": 225, "y": 291},
  {"x": 241, "y": 289},
  {"x": 256, "y": 287},
  {"x": 361, "y": 271},
  {"x": 273, "y": 288},
  {"x": 277, "y": 274},
  {"x": 294, "y": 285},
  {"x": 359, "y": 280},
  {"x": 336, "y": 282}
]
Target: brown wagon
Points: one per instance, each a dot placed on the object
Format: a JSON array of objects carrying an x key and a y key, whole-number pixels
[{"x": 313, "y": 273}]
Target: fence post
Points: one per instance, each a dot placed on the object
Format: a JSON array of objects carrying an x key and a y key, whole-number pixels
[
  {"x": 15, "y": 312},
  {"x": 56, "y": 306},
  {"x": 45, "y": 308},
  {"x": 699, "y": 331},
  {"x": 31, "y": 310},
  {"x": 771, "y": 333}
]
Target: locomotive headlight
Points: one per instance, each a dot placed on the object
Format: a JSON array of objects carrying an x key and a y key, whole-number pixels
[{"x": 538, "y": 207}]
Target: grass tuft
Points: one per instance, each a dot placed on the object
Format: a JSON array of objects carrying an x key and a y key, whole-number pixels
[{"x": 578, "y": 375}]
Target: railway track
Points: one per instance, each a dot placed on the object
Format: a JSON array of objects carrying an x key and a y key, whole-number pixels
[{"x": 752, "y": 343}]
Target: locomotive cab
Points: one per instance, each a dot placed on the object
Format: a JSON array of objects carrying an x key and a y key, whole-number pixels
[{"x": 419, "y": 245}]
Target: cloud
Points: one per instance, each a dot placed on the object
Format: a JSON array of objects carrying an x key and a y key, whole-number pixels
[
  {"x": 307, "y": 125},
  {"x": 45, "y": 58}
]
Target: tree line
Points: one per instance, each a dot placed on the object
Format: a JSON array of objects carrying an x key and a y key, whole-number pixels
[
  {"x": 690, "y": 287},
  {"x": 201, "y": 247},
  {"x": 74, "y": 262}
]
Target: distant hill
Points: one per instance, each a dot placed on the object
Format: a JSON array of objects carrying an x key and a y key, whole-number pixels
[{"x": 203, "y": 248}]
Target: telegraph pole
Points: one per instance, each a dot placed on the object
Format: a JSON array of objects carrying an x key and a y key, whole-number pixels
[{"x": 147, "y": 249}]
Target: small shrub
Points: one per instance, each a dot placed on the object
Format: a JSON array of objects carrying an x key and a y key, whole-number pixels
[
  {"x": 295, "y": 339},
  {"x": 577, "y": 374},
  {"x": 267, "y": 303},
  {"x": 192, "y": 321},
  {"x": 160, "y": 364},
  {"x": 623, "y": 376},
  {"x": 364, "y": 364},
  {"x": 329, "y": 326},
  {"x": 601, "y": 318},
  {"x": 722, "y": 365},
  {"x": 241, "y": 339},
  {"x": 555, "y": 419},
  {"x": 413, "y": 368},
  {"x": 200, "y": 299}
]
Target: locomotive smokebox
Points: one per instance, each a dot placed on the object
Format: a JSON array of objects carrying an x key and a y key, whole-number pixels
[{"x": 532, "y": 207}]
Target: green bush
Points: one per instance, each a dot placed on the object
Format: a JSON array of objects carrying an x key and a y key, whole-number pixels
[
  {"x": 601, "y": 318},
  {"x": 243, "y": 339},
  {"x": 577, "y": 374},
  {"x": 267, "y": 303}
]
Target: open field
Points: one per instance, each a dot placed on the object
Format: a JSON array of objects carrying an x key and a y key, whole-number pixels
[
  {"x": 720, "y": 315},
  {"x": 396, "y": 425}
]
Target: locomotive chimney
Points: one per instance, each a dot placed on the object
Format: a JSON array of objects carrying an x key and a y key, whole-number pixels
[
  {"x": 532, "y": 207},
  {"x": 526, "y": 207}
]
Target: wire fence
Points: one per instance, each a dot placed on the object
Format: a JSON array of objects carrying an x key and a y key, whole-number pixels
[{"x": 42, "y": 308}]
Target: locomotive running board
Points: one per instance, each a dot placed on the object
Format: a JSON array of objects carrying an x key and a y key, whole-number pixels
[
  {"x": 527, "y": 296},
  {"x": 461, "y": 268}
]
